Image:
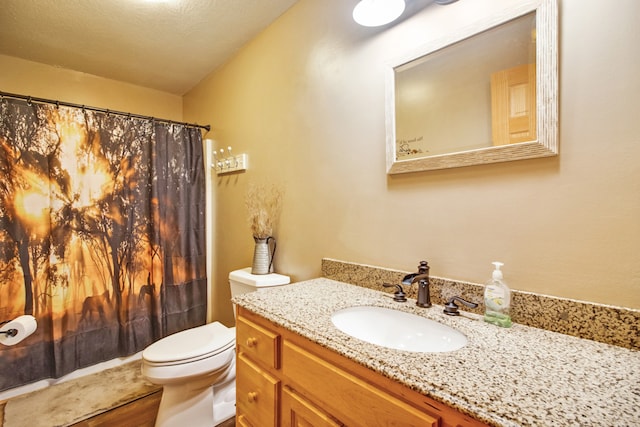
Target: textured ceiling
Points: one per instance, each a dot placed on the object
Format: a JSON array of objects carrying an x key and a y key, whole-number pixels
[{"x": 169, "y": 45}]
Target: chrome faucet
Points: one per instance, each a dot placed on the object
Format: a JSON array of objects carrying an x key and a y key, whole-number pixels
[{"x": 422, "y": 278}]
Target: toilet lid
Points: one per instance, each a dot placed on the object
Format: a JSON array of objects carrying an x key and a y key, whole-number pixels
[{"x": 191, "y": 343}]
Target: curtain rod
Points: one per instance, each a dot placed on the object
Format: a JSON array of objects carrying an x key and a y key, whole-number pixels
[{"x": 30, "y": 99}]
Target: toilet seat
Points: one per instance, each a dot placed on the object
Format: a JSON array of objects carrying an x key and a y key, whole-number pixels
[{"x": 190, "y": 345}]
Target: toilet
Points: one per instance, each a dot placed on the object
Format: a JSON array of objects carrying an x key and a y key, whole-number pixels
[{"x": 196, "y": 367}]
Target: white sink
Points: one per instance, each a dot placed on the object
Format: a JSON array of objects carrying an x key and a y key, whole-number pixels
[{"x": 397, "y": 329}]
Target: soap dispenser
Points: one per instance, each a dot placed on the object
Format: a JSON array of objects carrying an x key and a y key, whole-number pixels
[{"x": 497, "y": 299}]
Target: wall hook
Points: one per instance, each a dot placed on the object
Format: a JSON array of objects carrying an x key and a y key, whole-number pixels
[{"x": 228, "y": 163}]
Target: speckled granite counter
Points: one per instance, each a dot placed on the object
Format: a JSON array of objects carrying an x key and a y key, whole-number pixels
[{"x": 521, "y": 376}]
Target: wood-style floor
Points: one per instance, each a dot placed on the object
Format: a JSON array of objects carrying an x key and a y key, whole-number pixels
[{"x": 139, "y": 413}]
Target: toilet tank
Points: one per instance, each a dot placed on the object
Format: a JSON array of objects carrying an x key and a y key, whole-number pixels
[{"x": 242, "y": 281}]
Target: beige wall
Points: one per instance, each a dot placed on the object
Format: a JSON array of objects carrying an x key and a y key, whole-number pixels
[
  {"x": 44, "y": 81},
  {"x": 305, "y": 101}
]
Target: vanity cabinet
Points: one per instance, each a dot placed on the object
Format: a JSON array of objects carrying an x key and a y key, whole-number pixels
[{"x": 284, "y": 379}]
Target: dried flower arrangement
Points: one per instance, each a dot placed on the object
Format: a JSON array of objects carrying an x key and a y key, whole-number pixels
[{"x": 264, "y": 203}]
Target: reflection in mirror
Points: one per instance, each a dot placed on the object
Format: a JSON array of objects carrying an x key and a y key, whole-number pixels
[
  {"x": 480, "y": 97},
  {"x": 437, "y": 92}
]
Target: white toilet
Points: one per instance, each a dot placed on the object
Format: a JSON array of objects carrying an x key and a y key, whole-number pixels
[{"x": 196, "y": 367}]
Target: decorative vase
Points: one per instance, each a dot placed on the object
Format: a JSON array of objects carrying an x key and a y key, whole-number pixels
[{"x": 263, "y": 254}]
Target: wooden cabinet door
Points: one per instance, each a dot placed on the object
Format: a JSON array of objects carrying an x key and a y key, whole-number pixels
[
  {"x": 513, "y": 105},
  {"x": 299, "y": 412},
  {"x": 241, "y": 421},
  {"x": 257, "y": 394}
]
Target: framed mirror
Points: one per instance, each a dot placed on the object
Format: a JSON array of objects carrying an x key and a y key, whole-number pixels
[{"x": 485, "y": 93}]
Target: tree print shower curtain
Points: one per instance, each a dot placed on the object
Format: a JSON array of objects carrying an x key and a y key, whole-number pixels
[{"x": 102, "y": 235}]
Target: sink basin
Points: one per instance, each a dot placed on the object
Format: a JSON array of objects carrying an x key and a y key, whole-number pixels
[{"x": 397, "y": 329}]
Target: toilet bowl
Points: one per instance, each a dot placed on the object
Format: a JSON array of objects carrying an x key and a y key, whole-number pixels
[
  {"x": 196, "y": 367},
  {"x": 187, "y": 364}
]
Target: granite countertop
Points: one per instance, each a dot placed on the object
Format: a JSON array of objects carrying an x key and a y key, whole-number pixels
[{"x": 520, "y": 376}]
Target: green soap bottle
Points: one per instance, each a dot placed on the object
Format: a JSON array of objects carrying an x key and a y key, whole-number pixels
[{"x": 497, "y": 299}]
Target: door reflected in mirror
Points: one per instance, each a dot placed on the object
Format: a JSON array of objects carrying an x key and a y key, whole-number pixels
[{"x": 477, "y": 99}]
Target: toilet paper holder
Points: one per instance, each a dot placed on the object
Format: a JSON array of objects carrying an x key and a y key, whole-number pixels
[
  {"x": 9, "y": 332},
  {"x": 16, "y": 330}
]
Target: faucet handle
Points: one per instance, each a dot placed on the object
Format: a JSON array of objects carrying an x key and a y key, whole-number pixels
[
  {"x": 399, "y": 294},
  {"x": 451, "y": 308}
]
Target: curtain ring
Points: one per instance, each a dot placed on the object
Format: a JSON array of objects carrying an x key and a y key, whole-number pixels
[
  {"x": 29, "y": 101},
  {"x": 57, "y": 105}
]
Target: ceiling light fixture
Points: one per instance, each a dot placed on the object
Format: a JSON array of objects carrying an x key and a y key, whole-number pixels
[{"x": 373, "y": 13}]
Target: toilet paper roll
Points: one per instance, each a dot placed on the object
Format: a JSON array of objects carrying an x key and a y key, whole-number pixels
[{"x": 24, "y": 325}]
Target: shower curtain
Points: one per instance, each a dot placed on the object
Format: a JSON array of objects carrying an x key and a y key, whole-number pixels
[{"x": 102, "y": 235}]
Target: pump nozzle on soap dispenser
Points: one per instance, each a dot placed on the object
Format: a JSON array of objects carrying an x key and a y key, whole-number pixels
[
  {"x": 497, "y": 273},
  {"x": 497, "y": 299}
]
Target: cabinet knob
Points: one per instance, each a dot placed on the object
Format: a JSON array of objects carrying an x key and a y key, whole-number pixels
[
  {"x": 252, "y": 396},
  {"x": 252, "y": 342}
]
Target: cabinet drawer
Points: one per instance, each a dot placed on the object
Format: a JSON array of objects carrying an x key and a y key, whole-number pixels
[
  {"x": 345, "y": 396},
  {"x": 259, "y": 343},
  {"x": 257, "y": 394}
]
